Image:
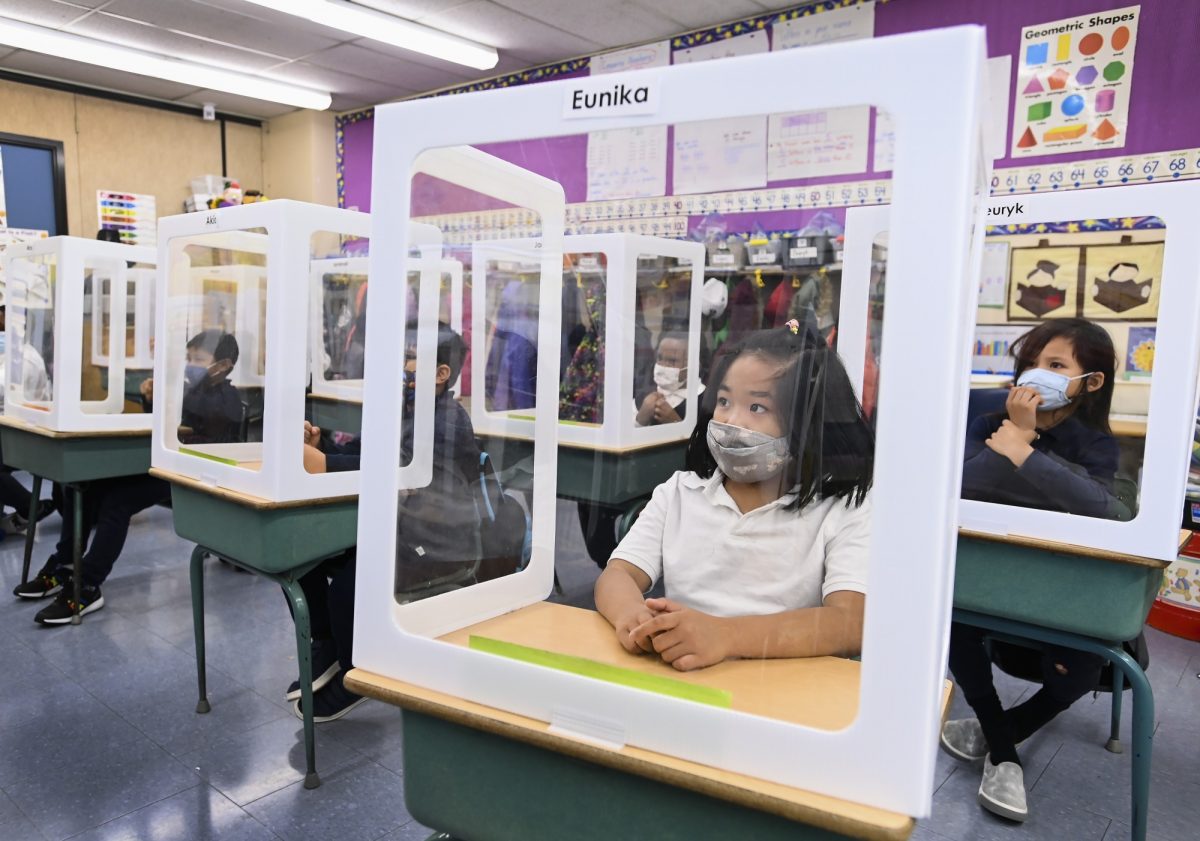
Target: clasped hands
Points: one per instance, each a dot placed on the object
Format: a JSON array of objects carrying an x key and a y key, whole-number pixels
[{"x": 685, "y": 638}]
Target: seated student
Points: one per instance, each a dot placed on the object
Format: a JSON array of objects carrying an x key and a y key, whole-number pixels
[
  {"x": 762, "y": 543},
  {"x": 1050, "y": 449},
  {"x": 666, "y": 403},
  {"x": 211, "y": 414},
  {"x": 438, "y": 527}
]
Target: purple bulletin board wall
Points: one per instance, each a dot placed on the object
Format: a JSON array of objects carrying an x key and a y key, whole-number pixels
[{"x": 1166, "y": 65}]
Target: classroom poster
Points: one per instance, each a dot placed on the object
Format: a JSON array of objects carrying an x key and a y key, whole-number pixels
[
  {"x": 992, "y": 351},
  {"x": 1043, "y": 283},
  {"x": 715, "y": 155},
  {"x": 993, "y": 279},
  {"x": 132, "y": 215},
  {"x": 1073, "y": 83},
  {"x": 812, "y": 144},
  {"x": 1139, "y": 355},
  {"x": 1123, "y": 281},
  {"x": 628, "y": 163}
]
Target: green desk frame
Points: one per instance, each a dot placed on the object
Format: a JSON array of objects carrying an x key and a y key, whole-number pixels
[
  {"x": 71, "y": 459},
  {"x": 281, "y": 542},
  {"x": 1025, "y": 593}
]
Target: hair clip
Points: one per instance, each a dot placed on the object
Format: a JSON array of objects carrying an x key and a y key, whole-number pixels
[{"x": 794, "y": 326}]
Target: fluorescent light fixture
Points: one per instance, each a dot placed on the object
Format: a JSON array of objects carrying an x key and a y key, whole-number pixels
[
  {"x": 388, "y": 29},
  {"x": 52, "y": 42}
]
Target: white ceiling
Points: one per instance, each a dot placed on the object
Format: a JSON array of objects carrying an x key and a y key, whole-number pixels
[{"x": 242, "y": 36}]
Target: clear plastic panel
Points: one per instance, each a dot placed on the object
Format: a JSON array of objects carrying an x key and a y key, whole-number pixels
[
  {"x": 661, "y": 340},
  {"x": 584, "y": 295},
  {"x": 30, "y": 293},
  {"x": 1063, "y": 365},
  {"x": 216, "y": 321}
]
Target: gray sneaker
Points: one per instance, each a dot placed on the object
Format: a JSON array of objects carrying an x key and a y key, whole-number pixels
[
  {"x": 963, "y": 739},
  {"x": 1002, "y": 790}
]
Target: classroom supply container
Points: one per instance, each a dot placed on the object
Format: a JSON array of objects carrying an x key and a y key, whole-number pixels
[
  {"x": 236, "y": 282},
  {"x": 425, "y": 171},
  {"x": 622, "y": 294},
  {"x": 53, "y": 288}
]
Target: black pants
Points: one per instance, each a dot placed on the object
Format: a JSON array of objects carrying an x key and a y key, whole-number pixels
[
  {"x": 108, "y": 506},
  {"x": 599, "y": 526},
  {"x": 329, "y": 591},
  {"x": 1061, "y": 687},
  {"x": 13, "y": 494}
]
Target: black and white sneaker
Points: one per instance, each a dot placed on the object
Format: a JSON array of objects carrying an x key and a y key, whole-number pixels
[
  {"x": 41, "y": 586},
  {"x": 331, "y": 703},
  {"x": 324, "y": 667},
  {"x": 63, "y": 608}
]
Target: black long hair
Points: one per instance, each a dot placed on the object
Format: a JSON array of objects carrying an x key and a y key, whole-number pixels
[
  {"x": 1092, "y": 348},
  {"x": 830, "y": 442}
]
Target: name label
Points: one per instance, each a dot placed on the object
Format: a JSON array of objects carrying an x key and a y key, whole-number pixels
[
  {"x": 1007, "y": 210},
  {"x": 602, "y": 98}
]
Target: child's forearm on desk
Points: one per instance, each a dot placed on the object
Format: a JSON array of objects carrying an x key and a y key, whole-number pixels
[
  {"x": 832, "y": 629},
  {"x": 617, "y": 592}
]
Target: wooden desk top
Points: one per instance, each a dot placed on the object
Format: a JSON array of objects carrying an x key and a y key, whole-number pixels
[
  {"x": 820, "y": 692},
  {"x": 250, "y": 501},
  {"x": 33, "y": 429},
  {"x": 1072, "y": 549},
  {"x": 1128, "y": 427}
]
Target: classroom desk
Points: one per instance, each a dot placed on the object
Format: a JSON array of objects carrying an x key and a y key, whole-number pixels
[
  {"x": 333, "y": 413},
  {"x": 71, "y": 459},
  {"x": 281, "y": 541},
  {"x": 479, "y": 772},
  {"x": 1024, "y": 589}
]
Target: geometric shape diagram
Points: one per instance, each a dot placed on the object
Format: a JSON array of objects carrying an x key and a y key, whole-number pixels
[
  {"x": 1114, "y": 70},
  {"x": 1087, "y": 74},
  {"x": 1037, "y": 53},
  {"x": 1040, "y": 111},
  {"x": 1105, "y": 100},
  {"x": 1034, "y": 86},
  {"x": 1061, "y": 133},
  {"x": 1027, "y": 141},
  {"x": 1091, "y": 43},
  {"x": 1064, "y": 48},
  {"x": 1072, "y": 105},
  {"x": 1105, "y": 131},
  {"x": 1120, "y": 38},
  {"x": 1058, "y": 79}
]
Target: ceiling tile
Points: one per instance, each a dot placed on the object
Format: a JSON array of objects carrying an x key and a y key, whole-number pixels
[
  {"x": 41, "y": 12},
  {"x": 611, "y": 23},
  {"x": 411, "y": 9},
  {"x": 234, "y": 104},
  {"x": 93, "y": 76},
  {"x": 696, "y": 14},
  {"x": 359, "y": 61},
  {"x": 241, "y": 25},
  {"x": 488, "y": 23},
  {"x": 326, "y": 79}
]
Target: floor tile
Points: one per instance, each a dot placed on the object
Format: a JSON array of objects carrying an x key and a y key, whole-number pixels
[
  {"x": 250, "y": 765},
  {"x": 413, "y": 831},
  {"x": 198, "y": 814},
  {"x": 359, "y": 800},
  {"x": 13, "y": 823}
]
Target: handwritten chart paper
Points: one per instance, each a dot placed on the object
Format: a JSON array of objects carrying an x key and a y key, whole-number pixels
[
  {"x": 1073, "y": 83},
  {"x": 729, "y": 154},
  {"x": 628, "y": 163},
  {"x": 826, "y": 27}
]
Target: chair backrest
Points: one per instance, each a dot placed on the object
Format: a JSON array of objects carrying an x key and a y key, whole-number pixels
[{"x": 984, "y": 401}]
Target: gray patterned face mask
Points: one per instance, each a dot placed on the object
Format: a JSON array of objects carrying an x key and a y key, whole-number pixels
[{"x": 745, "y": 455}]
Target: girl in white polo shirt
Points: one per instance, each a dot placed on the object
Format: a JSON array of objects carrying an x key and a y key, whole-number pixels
[{"x": 762, "y": 542}]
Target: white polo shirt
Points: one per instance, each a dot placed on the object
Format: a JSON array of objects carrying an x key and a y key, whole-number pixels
[{"x": 716, "y": 559}]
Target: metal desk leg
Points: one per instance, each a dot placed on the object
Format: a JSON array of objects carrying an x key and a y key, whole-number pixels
[
  {"x": 1114, "y": 734},
  {"x": 1143, "y": 737},
  {"x": 304, "y": 655},
  {"x": 197, "y": 572},
  {"x": 34, "y": 506},
  {"x": 77, "y": 552}
]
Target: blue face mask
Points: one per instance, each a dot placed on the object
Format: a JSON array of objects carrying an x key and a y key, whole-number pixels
[
  {"x": 193, "y": 375},
  {"x": 1051, "y": 387}
]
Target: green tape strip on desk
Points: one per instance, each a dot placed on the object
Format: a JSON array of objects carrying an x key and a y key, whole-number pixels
[
  {"x": 219, "y": 459},
  {"x": 604, "y": 671}
]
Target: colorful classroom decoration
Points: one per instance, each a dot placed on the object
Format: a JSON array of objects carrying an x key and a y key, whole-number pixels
[
  {"x": 132, "y": 215},
  {"x": 1091, "y": 62},
  {"x": 1123, "y": 281},
  {"x": 1043, "y": 283},
  {"x": 1139, "y": 356}
]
